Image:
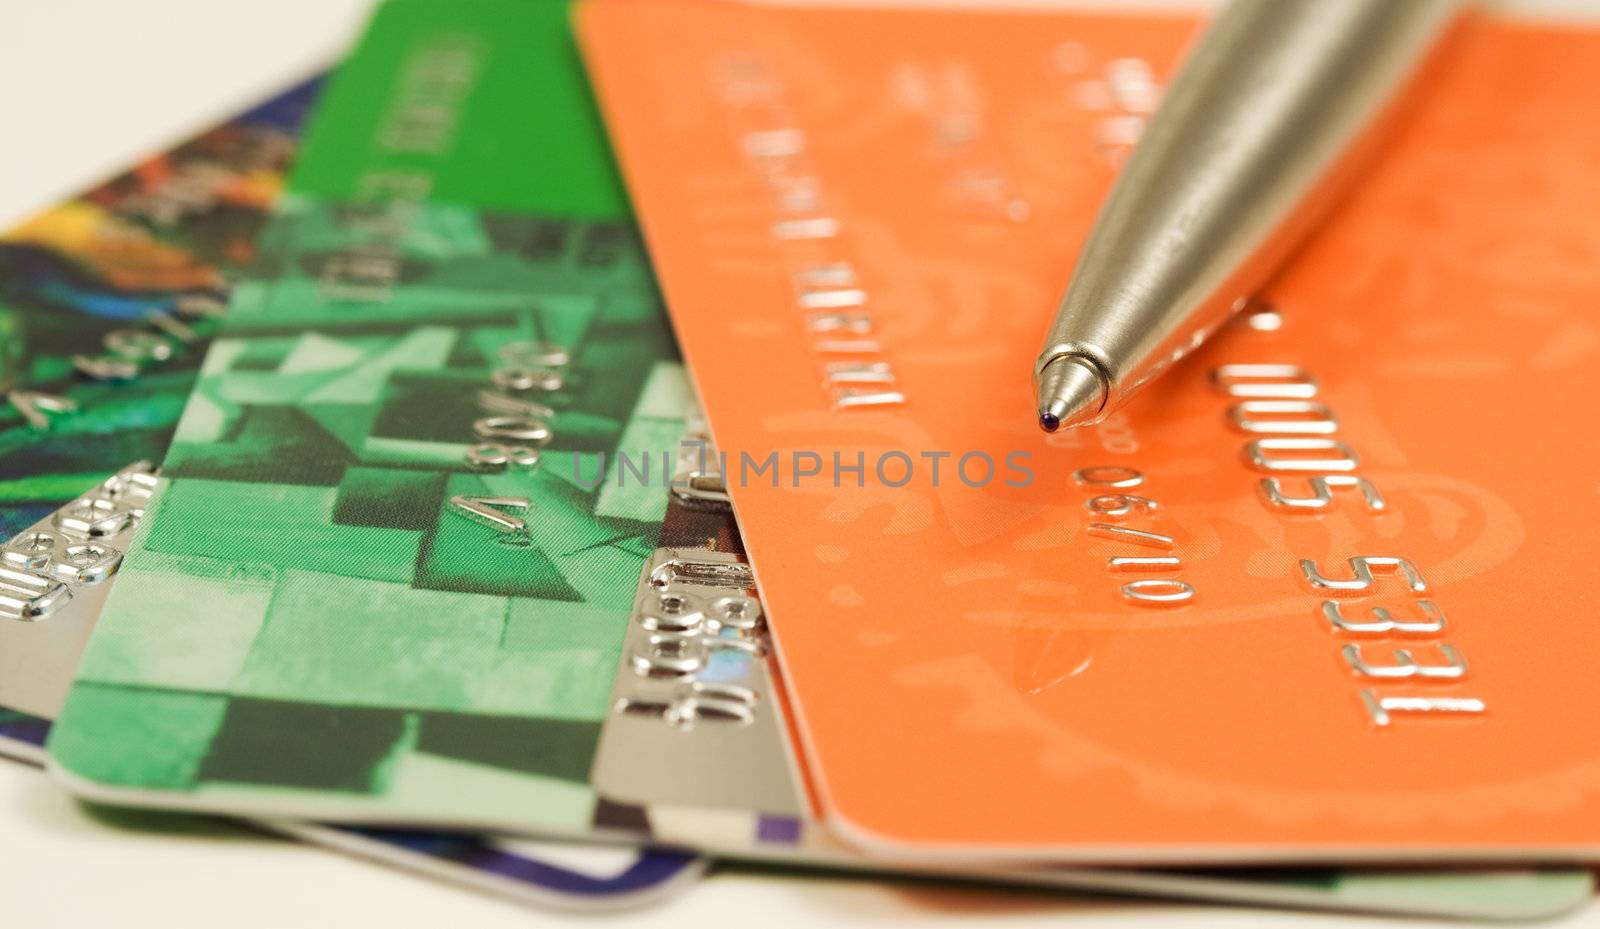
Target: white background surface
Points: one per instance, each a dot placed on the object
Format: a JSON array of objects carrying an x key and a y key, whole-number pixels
[{"x": 87, "y": 87}]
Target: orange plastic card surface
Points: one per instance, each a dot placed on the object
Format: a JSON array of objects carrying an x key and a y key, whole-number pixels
[{"x": 1327, "y": 590}]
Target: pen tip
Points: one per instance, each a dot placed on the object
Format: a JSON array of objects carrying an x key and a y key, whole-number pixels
[{"x": 1070, "y": 393}]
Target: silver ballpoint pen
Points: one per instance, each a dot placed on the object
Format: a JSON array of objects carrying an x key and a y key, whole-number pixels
[{"x": 1255, "y": 135}]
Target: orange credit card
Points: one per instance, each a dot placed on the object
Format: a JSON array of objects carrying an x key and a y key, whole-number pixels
[{"x": 1327, "y": 590}]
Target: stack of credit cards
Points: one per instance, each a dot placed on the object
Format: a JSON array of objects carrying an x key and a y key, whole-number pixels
[{"x": 388, "y": 469}]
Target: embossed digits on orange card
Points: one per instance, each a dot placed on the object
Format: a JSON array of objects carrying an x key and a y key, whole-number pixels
[{"x": 1326, "y": 591}]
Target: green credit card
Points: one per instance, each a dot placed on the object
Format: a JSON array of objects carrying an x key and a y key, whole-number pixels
[{"x": 379, "y": 580}]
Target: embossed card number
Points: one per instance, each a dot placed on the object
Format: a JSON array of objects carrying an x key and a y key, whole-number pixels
[
  {"x": 39, "y": 568},
  {"x": 694, "y": 628},
  {"x": 1278, "y": 399}
]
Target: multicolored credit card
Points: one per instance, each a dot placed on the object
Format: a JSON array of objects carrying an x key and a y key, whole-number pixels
[
  {"x": 416, "y": 600},
  {"x": 133, "y": 274},
  {"x": 106, "y": 301},
  {"x": 1304, "y": 600}
]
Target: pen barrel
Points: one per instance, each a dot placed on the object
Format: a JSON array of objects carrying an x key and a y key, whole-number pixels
[{"x": 1261, "y": 128}]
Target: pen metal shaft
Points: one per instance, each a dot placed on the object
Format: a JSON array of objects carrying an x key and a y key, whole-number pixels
[{"x": 1254, "y": 137}]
